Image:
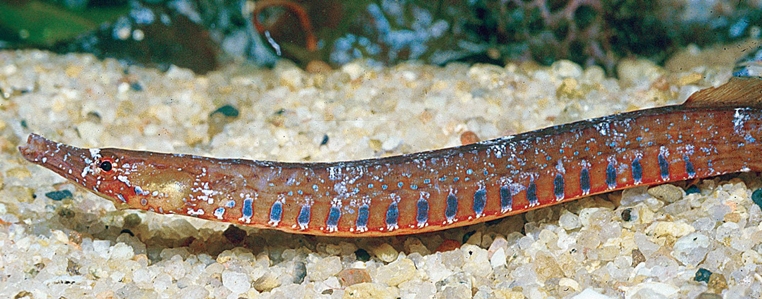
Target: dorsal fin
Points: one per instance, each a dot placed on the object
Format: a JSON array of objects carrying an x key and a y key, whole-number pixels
[{"x": 738, "y": 92}]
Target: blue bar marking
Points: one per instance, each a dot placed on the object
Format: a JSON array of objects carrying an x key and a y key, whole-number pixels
[
  {"x": 611, "y": 175},
  {"x": 392, "y": 215},
  {"x": 452, "y": 207},
  {"x": 689, "y": 166},
  {"x": 506, "y": 199},
  {"x": 422, "y": 215},
  {"x": 480, "y": 200},
  {"x": 558, "y": 186},
  {"x": 333, "y": 218},
  {"x": 276, "y": 212},
  {"x": 362, "y": 218},
  {"x": 247, "y": 210},
  {"x": 637, "y": 170},
  {"x": 532, "y": 194},
  {"x": 304, "y": 217},
  {"x": 584, "y": 180},
  {"x": 663, "y": 167}
]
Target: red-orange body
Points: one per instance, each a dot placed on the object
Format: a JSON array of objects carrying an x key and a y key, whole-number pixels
[{"x": 426, "y": 191}]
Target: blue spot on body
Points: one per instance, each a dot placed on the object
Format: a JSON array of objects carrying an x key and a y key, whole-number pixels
[
  {"x": 426, "y": 181},
  {"x": 400, "y": 184},
  {"x": 637, "y": 171},
  {"x": 414, "y": 187},
  {"x": 230, "y": 204},
  {"x": 584, "y": 180},
  {"x": 452, "y": 207},
  {"x": 219, "y": 211},
  {"x": 480, "y": 200},
  {"x": 506, "y": 200}
]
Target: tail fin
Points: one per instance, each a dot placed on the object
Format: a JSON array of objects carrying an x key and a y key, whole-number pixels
[{"x": 739, "y": 91}]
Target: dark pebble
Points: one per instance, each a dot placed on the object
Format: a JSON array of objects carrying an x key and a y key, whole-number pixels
[
  {"x": 234, "y": 234},
  {"x": 58, "y": 195},
  {"x": 692, "y": 189},
  {"x": 756, "y": 197},
  {"x": 702, "y": 275},
  {"x": 227, "y": 110},
  {"x": 362, "y": 255}
]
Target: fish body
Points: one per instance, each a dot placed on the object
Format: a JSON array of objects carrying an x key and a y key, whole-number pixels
[{"x": 717, "y": 131}]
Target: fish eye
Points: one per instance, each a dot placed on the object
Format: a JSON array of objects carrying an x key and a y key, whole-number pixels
[{"x": 105, "y": 166}]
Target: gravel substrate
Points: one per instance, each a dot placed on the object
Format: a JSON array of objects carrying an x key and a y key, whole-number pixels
[{"x": 640, "y": 243}]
